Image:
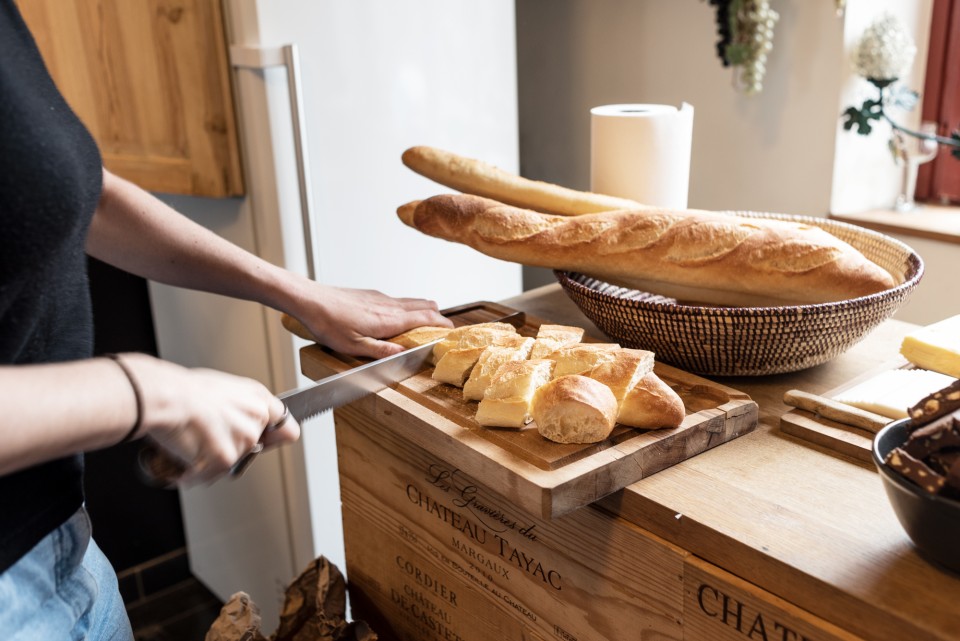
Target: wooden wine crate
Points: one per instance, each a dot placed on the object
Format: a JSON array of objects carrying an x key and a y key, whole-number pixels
[
  {"x": 766, "y": 537},
  {"x": 434, "y": 554}
]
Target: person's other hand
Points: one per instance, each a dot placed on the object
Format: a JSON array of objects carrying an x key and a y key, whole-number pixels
[
  {"x": 206, "y": 419},
  {"x": 354, "y": 321}
]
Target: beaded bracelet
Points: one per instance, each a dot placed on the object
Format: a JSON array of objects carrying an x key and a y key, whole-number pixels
[{"x": 136, "y": 394}]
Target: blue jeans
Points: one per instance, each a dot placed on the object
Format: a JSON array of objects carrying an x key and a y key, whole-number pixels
[{"x": 64, "y": 588}]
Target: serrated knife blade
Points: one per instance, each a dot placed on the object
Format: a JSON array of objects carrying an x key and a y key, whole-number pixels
[
  {"x": 353, "y": 384},
  {"x": 335, "y": 391},
  {"x": 306, "y": 402}
]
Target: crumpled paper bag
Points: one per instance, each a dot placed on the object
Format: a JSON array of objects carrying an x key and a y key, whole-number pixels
[{"x": 314, "y": 609}]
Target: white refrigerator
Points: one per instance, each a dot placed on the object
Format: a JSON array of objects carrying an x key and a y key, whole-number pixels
[{"x": 329, "y": 93}]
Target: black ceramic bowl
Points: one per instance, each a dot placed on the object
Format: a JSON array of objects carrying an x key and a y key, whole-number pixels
[{"x": 931, "y": 522}]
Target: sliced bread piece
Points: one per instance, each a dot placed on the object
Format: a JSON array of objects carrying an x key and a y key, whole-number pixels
[
  {"x": 623, "y": 370},
  {"x": 651, "y": 404},
  {"x": 582, "y": 357},
  {"x": 550, "y": 338},
  {"x": 506, "y": 403},
  {"x": 490, "y": 361},
  {"x": 574, "y": 409}
]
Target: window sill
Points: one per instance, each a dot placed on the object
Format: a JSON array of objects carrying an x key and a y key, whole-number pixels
[{"x": 934, "y": 222}]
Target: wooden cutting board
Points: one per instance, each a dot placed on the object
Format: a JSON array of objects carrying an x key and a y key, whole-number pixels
[
  {"x": 557, "y": 477},
  {"x": 848, "y": 440}
]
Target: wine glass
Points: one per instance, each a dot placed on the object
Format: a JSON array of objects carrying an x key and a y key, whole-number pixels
[{"x": 910, "y": 152}]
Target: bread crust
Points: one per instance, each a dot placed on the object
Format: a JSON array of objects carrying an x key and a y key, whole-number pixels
[
  {"x": 574, "y": 409},
  {"x": 622, "y": 372},
  {"x": 582, "y": 357},
  {"x": 477, "y": 335},
  {"x": 774, "y": 260},
  {"x": 651, "y": 404},
  {"x": 420, "y": 336},
  {"x": 472, "y": 176},
  {"x": 551, "y": 338},
  {"x": 411, "y": 338}
]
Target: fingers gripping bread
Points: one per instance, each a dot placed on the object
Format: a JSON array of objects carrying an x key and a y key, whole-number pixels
[
  {"x": 482, "y": 179},
  {"x": 738, "y": 258},
  {"x": 410, "y": 338}
]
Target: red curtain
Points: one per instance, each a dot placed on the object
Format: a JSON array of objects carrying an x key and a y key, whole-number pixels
[{"x": 939, "y": 180}]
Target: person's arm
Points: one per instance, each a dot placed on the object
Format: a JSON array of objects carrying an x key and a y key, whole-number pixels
[
  {"x": 205, "y": 419},
  {"x": 140, "y": 234}
]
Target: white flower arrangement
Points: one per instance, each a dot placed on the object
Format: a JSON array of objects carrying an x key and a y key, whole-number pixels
[{"x": 884, "y": 51}]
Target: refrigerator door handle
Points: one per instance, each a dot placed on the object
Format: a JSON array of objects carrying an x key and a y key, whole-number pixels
[{"x": 287, "y": 56}]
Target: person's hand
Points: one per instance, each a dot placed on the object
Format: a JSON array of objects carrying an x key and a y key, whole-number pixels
[
  {"x": 206, "y": 419},
  {"x": 354, "y": 321}
]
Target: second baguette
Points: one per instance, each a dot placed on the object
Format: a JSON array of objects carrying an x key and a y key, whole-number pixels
[
  {"x": 733, "y": 260},
  {"x": 476, "y": 177}
]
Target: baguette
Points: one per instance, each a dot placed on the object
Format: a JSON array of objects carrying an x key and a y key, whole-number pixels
[
  {"x": 704, "y": 256},
  {"x": 420, "y": 336},
  {"x": 455, "y": 365},
  {"x": 483, "y": 179}
]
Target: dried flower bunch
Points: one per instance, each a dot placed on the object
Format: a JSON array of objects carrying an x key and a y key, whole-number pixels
[{"x": 883, "y": 53}]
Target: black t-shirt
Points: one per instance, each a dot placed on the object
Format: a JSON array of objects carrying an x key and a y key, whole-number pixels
[{"x": 50, "y": 182}]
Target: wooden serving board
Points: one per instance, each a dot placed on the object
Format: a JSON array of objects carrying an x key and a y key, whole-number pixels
[
  {"x": 557, "y": 477},
  {"x": 852, "y": 441}
]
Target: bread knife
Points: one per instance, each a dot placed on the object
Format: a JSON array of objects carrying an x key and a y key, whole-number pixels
[{"x": 160, "y": 469}]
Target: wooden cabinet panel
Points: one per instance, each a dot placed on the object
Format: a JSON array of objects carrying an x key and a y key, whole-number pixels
[{"x": 150, "y": 79}]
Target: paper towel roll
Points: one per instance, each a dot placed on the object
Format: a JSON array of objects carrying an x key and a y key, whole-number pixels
[{"x": 642, "y": 152}]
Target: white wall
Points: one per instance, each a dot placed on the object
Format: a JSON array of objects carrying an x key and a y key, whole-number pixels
[{"x": 772, "y": 151}]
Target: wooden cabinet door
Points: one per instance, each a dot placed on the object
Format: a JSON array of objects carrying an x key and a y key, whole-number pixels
[{"x": 150, "y": 79}]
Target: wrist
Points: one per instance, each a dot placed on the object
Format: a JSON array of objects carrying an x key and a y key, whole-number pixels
[
  {"x": 307, "y": 301},
  {"x": 136, "y": 427}
]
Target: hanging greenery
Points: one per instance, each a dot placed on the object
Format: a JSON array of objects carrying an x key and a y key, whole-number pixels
[{"x": 745, "y": 29}]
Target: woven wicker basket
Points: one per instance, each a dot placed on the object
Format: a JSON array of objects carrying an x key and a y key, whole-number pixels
[{"x": 750, "y": 341}]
